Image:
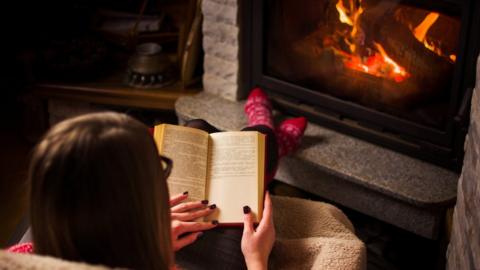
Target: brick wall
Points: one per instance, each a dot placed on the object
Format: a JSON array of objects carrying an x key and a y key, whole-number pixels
[{"x": 220, "y": 43}]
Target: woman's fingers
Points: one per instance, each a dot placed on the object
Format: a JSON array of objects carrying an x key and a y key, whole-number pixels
[
  {"x": 185, "y": 233},
  {"x": 192, "y": 215},
  {"x": 188, "y": 206},
  {"x": 267, "y": 217},
  {"x": 247, "y": 221},
  {"x": 178, "y": 198},
  {"x": 186, "y": 240},
  {"x": 181, "y": 227}
]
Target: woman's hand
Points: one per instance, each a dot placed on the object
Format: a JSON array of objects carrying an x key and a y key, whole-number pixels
[
  {"x": 185, "y": 230},
  {"x": 257, "y": 244}
]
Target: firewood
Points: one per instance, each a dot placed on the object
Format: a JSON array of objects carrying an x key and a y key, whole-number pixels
[{"x": 428, "y": 69}]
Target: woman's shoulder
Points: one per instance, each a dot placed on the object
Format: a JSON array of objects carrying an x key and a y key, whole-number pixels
[{"x": 21, "y": 248}]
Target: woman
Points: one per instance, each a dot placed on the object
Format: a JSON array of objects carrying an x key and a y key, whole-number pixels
[{"x": 99, "y": 195}]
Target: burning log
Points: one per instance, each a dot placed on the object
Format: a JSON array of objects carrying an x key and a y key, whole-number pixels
[
  {"x": 374, "y": 91},
  {"x": 444, "y": 31},
  {"x": 429, "y": 70},
  {"x": 318, "y": 65},
  {"x": 321, "y": 66}
]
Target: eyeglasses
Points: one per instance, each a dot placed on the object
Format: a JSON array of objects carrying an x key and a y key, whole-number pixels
[{"x": 166, "y": 164}]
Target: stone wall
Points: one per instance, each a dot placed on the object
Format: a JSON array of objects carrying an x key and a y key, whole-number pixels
[
  {"x": 220, "y": 44},
  {"x": 464, "y": 248}
]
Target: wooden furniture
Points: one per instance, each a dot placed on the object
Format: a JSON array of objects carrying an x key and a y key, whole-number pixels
[
  {"x": 52, "y": 102},
  {"x": 113, "y": 92}
]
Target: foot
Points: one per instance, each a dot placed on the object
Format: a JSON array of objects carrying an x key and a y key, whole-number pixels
[
  {"x": 289, "y": 135},
  {"x": 258, "y": 109}
]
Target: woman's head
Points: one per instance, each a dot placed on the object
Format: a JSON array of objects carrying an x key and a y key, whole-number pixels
[{"x": 98, "y": 194}]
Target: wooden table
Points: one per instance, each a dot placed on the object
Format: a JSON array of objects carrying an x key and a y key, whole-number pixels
[
  {"x": 112, "y": 92},
  {"x": 67, "y": 99}
]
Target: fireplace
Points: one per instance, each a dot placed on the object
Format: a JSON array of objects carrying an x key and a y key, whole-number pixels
[{"x": 395, "y": 73}]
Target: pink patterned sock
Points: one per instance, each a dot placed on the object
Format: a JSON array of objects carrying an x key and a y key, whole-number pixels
[
  {"x": 258, "y": 109},
  {"x": 21, "y": 248},
  {"x": 289, "y": 135}
]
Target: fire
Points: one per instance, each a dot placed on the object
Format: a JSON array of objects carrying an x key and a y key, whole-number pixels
[
  {"x": 379, "y": 65},
  {"x": 343, "y": 13},
  {"x": 420, "y": 32},
  {"x": 351, "y": 20},
  {"x": 399, "y": 73},
  {"x": 422, "y": 29},
  {"x": 371, "y": 58},
  {"x": 377, "y": 62}
]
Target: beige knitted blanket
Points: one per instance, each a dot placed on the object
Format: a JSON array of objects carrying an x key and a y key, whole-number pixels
[
  {"x": 314, "y": 235},
  {"x": 14, "y": 261},
  {"x": 310, "y": 235}
]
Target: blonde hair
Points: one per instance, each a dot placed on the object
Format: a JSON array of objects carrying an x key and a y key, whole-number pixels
[{"x": 98, "y": 194}]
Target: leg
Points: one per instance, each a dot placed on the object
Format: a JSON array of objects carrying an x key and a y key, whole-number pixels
[
  {"x": 216, "y": 249},
  {"x": 271, "y": 150},
  {"x": 289, "y": 135},
  {"x": 258, "y": 110},
  {"x": 201, "y": 124},
  {"x": 220, "y": 248},
  {"x": 271, "y": 141}
]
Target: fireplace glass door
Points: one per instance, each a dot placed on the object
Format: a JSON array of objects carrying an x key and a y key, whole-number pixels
[{"x": 391, "y": 56}]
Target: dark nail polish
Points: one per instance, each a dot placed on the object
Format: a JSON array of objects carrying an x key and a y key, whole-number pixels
[
  {"x": 205, "y": 202},
  {"x": 246, "y": 209},
  {"x": 199, "y": 235},
  {"x": 185, "y": 193},
  {"x": 215, "y": 222},
  {"x": 213, "y": 206}
]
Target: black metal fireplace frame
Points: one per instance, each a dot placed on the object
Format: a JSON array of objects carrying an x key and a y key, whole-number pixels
[{"x": 442, "y": 147}]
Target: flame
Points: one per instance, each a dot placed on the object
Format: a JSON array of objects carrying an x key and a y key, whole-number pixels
[
  {"x": 377, "y": 62},
  {"x": 351, "y": 20},
  {"x": 422, "y": 29},
  {"x": 343, "y": 13},
  {"x": 399, "y": 73},
  {"x": 420, "y": 32}
]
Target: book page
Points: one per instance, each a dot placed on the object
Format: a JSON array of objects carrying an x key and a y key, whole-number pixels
[
  {"x": 188, "y": 148},
  {"x": 235, "y": 174}
]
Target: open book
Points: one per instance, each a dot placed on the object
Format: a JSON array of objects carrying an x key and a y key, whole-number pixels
[{"x": 226, "y": 168}]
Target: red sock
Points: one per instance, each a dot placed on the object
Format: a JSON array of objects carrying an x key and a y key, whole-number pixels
[
  {"x": 258, "y": 109},
  {"x": 289, "y": 135}
]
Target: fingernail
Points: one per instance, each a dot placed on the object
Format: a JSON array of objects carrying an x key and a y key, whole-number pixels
[
  {"x": 215, "y": 222},
  {"x": 185, "y": 193},
  {"x": 205, "y": 202},
  {"x": 199, "y": 235},
  {"x": 213, "y": 206},
  {"x": 246, "y": 209}
]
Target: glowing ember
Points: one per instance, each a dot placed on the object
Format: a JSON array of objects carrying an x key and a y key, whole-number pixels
[
  {"x": 377, "y": 62},
  {"x": 379, "y": 65},
  {"x": 398, "y": 73}
]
